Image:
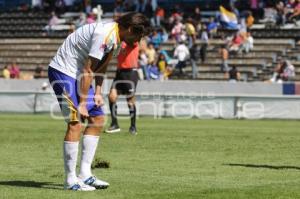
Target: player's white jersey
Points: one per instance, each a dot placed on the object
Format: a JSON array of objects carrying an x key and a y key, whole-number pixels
[{"x": 93, "y": 40}]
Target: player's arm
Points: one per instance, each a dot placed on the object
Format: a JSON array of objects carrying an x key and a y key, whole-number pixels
[
  {"x": 86, "y": 78},
  {"x": 99, "y": 69}
]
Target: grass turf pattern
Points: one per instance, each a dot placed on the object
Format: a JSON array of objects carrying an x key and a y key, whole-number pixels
[{"x": 169, "y": 158}]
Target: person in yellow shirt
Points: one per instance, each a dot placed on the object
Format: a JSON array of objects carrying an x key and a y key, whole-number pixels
[
  {"x": 150, "y": 52},
  {"x": 191, "y": 31},
  {"x": 6, "y": 73}
]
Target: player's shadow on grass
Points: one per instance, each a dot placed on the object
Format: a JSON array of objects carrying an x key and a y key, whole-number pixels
[
  {"x": 31, "y": 184},
  {"x": 263, "y": 166}
]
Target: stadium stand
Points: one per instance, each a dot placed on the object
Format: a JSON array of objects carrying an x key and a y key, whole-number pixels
[
  {"x": 255, "y": 66},
  {"x": 25, "y": 40}
]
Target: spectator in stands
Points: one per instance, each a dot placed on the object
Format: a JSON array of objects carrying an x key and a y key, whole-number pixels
[
  {"x": 249, "y": 19},
  {"x": 87, "y": 6},
  {"x": 177, "y": 30},
  {"x": 155, "y": 39},
  {"x": 143, "y": 63},
  {"x": 182, "y": 54},
  {"x": 14, "y": 71},
  {"x": 212, "y": 27},
  {"x": 170, "y": 61},
  {"x": 54, "y": 20},
  {"x": 197, "y": 15},
  {"x": 248, "y": 43},
  {"x": 289, "y": 72},
  {"x": 280, "y": 18},
  {"x": 6, "y": 73},
  {"x": 159, "y": 15},
  {"x": 149, "y": 11},
  {"x": 224, "y": 56},
  {"x": 235, "y": 43},
  {"x": 289, "y": 8},
  {"x": 296, "y": 12},
  {"x": 164, "y": 69},
  {"x": 284, "y": 71},
  {"x": 151, "y": 53},
  {"x": 234, "y": 75},
  {"x": 38, "y": 72},
  {"x": 194, "y": 57},
  {"x": 153, "y": 71},
  {"x": 176, "y": 15},
  {"x": 291, "y": 4},
  {"x": 191, "y": 32},
  {"x": 164, "y": 34},
  {"x": 204, "y": 43},
  {"x": 254, "y": 5}
]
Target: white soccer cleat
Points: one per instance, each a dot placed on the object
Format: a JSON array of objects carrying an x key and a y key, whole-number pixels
[
  {"x": 80, "y": 186},
  {"x": 96, "y": 183},
  {"x": 113, "y": 129}
]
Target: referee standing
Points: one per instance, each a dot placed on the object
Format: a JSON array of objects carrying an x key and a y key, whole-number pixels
[{"x": 125, "y": 84}]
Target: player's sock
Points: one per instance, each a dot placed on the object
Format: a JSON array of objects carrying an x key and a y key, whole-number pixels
[
  {"x": 89, "y": 146},
  {"x": 113, "y": 111},
  {"x": 132, "y": 113},
  {"x": 70, "y": 160}
]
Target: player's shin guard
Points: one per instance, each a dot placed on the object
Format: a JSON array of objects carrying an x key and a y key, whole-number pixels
[
  {"x": 113, "y": 111},
  {"x": 70, "y": 160},
  {"x": 89, "y": 146},
  {"x": 132, "y": 113}
]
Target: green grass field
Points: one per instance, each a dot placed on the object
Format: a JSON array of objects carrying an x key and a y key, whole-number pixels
[{"x": 169, "y": 158}]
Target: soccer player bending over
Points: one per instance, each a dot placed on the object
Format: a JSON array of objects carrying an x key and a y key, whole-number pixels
[{"x": 84, "y": 54}]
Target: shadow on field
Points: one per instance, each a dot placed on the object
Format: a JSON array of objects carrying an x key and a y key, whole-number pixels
[
  {"x": 263, "y": 166},
  {"x": 32, "y": 184}
]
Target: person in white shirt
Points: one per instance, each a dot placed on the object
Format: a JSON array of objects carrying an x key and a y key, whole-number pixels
[
  {"x": 182, "y": 54},
  {"x": 85, "y": 54},
  {"x": 249, "y": 43}
]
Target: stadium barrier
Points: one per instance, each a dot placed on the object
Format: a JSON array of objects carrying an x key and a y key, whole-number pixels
[
  {"x": 182, "y": 99},
  {"x": 159, "y": 105}
]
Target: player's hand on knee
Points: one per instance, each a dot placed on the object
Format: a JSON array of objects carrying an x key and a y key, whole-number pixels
[
  {"x": 83, "y": 112},
  {"x": 99, "y": 100}
]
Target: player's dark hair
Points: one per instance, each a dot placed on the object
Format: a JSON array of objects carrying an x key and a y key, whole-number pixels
[{"x": 138, "y": 22}]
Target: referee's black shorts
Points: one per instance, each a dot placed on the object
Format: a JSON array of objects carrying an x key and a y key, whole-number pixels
[{"x": 125, "y": 81}]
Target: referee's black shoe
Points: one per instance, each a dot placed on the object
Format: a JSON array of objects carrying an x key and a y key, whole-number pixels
[
  {"x": 114, "y": 128},
  {"x": 132, "y": 130}
]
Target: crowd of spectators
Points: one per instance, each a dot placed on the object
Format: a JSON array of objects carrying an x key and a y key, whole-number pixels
[
  {"x": 190, "y": 32},
  {"x": 11, "y": 71},
  {"x": 284, "y": 71},
  {"x": 286, "y": 11}
]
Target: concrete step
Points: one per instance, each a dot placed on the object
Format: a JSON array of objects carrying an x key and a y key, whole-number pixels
[
  {"x": 272, "y": 49},
  {"x": 48, "y": 47},
  {"x": 257, "y": 42},
  {"x": 31, "y": 41},
  {"x": 29, "y": 54}
]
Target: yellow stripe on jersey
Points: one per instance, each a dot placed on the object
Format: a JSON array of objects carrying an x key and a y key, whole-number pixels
[{"x": 114, "y": 29}]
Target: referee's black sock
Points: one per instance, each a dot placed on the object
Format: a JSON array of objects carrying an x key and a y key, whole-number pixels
[
  {"x": 132, "y": 113},
  {"x": 113, "y": 112}
]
